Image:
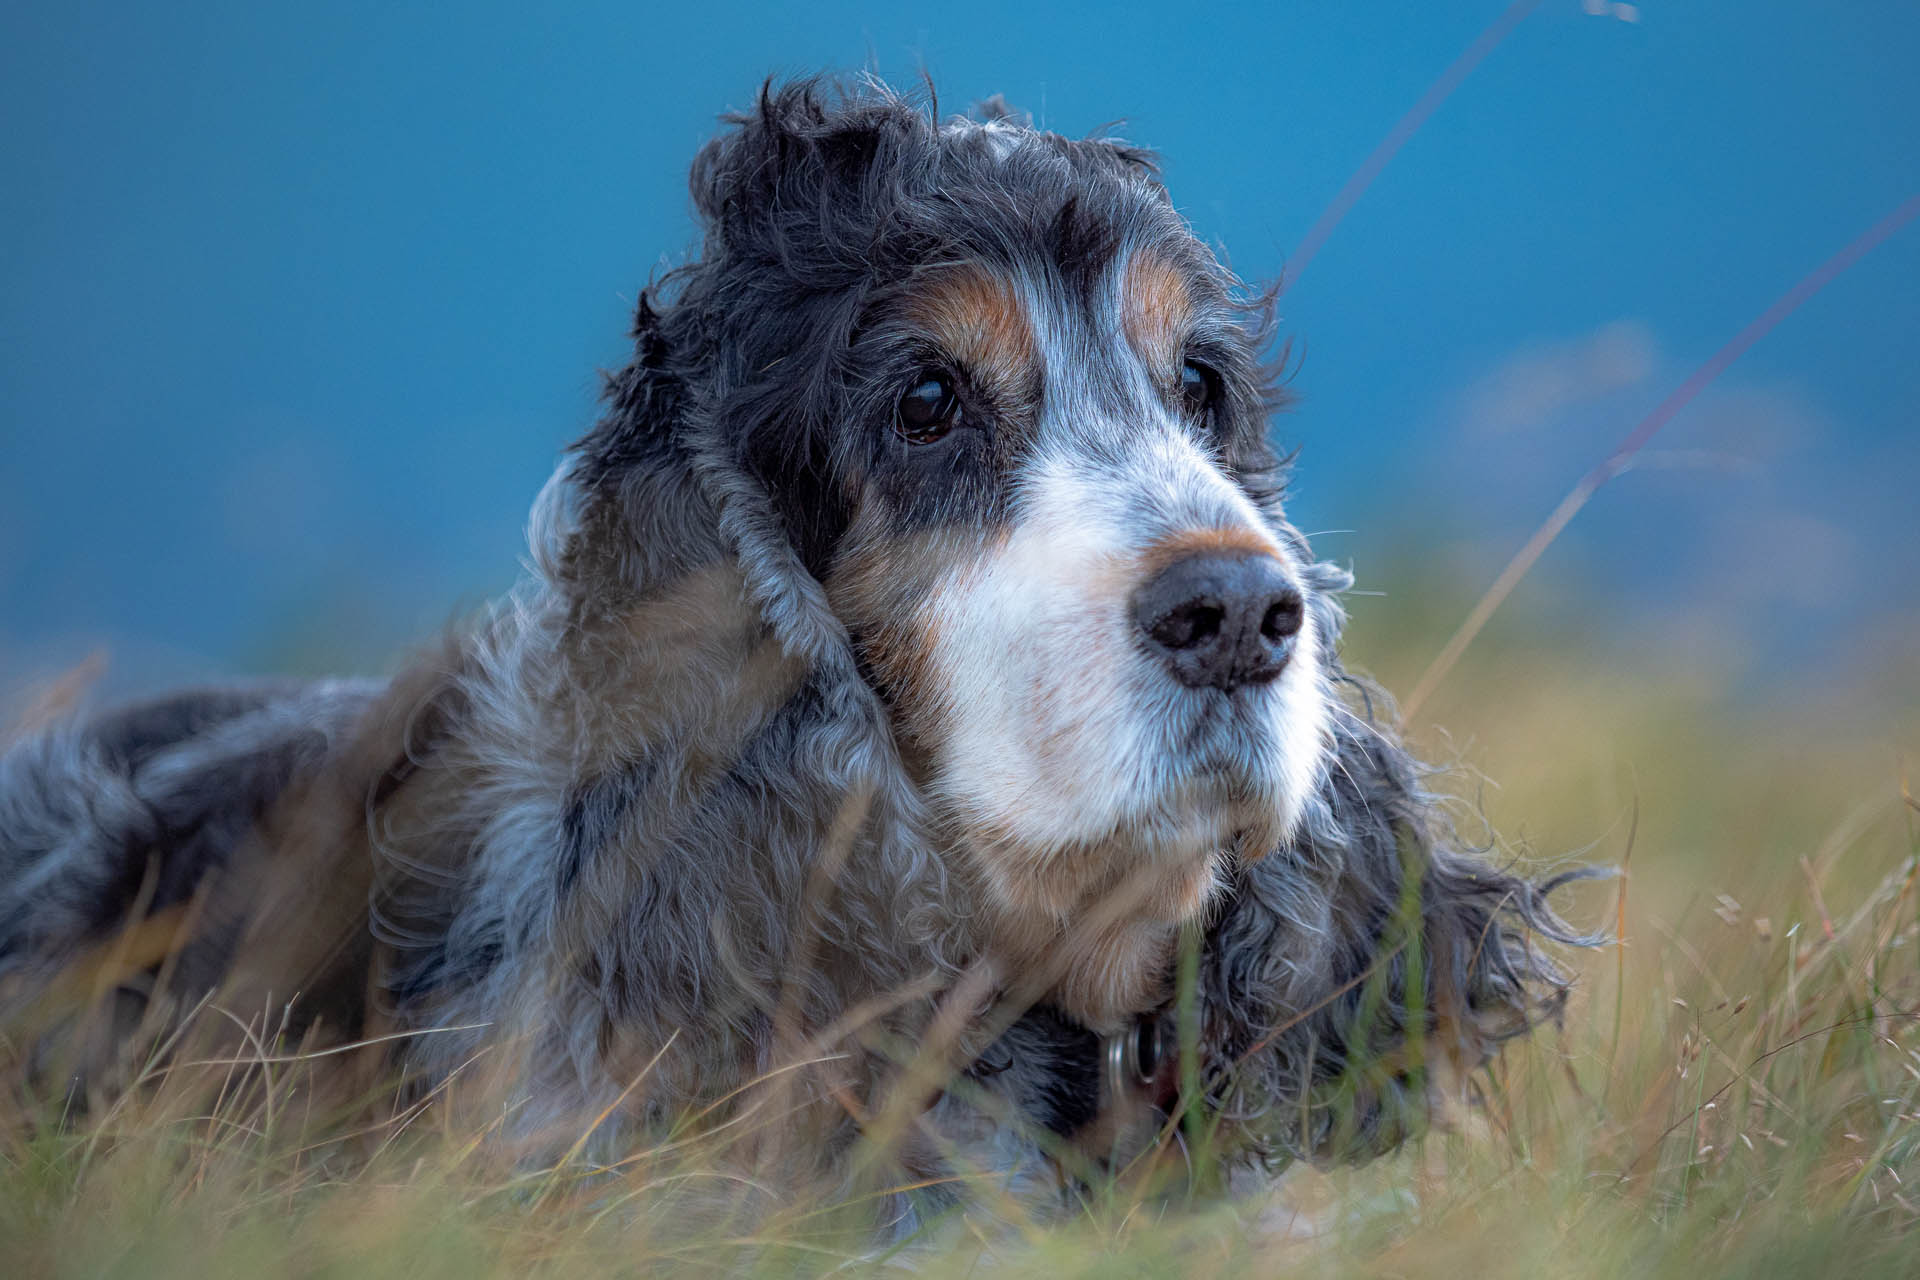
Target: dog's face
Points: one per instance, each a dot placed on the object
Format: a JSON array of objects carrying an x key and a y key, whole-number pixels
[
  {"x": 1014, "y": 417},
  {"x": 1095, "y": 642}
]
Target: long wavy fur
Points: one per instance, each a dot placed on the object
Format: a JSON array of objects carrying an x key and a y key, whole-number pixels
[{"x": 651, "y": 801}]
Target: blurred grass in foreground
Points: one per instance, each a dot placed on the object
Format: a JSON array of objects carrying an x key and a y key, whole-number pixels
[{"x": 1736, "y": 1089}]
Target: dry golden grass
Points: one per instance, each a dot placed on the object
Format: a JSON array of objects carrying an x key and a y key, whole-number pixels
[{"x": 1736, "y": 1089}]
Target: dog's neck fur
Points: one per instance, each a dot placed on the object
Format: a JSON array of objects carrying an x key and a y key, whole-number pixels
[
  {"x": 634, "y": 715},
  {"x": 679, "y": 649},
  {"x": 643, "y": 661}
]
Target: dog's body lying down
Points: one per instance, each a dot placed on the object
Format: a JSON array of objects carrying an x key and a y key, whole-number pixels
[{"x": 915, "y": 652}]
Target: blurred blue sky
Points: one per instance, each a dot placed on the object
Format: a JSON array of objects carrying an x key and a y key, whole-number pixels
[{"x": 298, "y": 304}]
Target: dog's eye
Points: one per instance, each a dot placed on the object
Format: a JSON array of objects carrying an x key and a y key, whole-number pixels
[
  {"x": 929, "y": 409},
  {"x": 1199, "y": 389}
]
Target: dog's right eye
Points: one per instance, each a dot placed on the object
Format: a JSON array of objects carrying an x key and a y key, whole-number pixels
[
  {"x": 929, "y": 409},
  {"x": 1199, "y": 389}
]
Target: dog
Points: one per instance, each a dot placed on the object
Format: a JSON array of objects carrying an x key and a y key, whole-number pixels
[{"x": 916, "y": 653}]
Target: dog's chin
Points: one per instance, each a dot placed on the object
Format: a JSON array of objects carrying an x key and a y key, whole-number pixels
[
  {"x": 1225, "y": 797},
  {"x": 1091, "y": 926},
  {"x": 1224, "y": 811}
]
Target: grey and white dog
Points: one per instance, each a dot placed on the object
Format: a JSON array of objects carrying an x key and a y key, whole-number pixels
[{"x": 918, "y": 636}]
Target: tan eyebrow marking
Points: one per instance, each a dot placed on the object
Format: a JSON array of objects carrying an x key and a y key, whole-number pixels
[
  {"x": 1155, "y": 308},
  {"x": 976, "y": 316}
]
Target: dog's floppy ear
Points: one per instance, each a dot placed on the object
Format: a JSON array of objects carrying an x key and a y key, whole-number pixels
[
  {"x": 715, "y": 442},
  {"x": 1359, "y": 977},
  {"x": 740, "y": 355},
  {"x": 772, "y": 305}
]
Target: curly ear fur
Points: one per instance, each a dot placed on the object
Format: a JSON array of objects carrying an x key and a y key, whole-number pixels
[
  {"x": 670, "y": 704},
  {"x": 1354, "y": 980},
  {"x": 740, "y": 355}
]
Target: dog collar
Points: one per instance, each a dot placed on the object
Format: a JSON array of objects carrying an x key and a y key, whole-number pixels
[{"x": 1138, "y": 1065}]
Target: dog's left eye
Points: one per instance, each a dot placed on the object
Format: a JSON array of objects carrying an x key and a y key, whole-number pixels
[
  {"x": 1199, "y": 389},
  {"x": 929, "y": 408}
]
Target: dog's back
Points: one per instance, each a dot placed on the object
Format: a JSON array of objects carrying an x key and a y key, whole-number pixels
[{"x": 138, "y": 813}]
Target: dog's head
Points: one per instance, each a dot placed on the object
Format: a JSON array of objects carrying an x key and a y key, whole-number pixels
[{"x": 1010, "y": 417}]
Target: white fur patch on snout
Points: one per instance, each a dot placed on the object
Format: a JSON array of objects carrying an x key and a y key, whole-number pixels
[{"x": 1063, "y": 738}]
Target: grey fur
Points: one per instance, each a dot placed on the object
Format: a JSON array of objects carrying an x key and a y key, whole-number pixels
[{"x": 600, "y": 822}]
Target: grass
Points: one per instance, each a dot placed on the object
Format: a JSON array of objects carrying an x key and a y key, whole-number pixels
[{"x": 1736, "y": 1088}]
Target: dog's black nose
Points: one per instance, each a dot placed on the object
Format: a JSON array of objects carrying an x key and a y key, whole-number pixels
[{"x": 1221, "y": 620}]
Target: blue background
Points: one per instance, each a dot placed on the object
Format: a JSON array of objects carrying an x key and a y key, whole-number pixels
[{"x": 298, "y": 308}]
